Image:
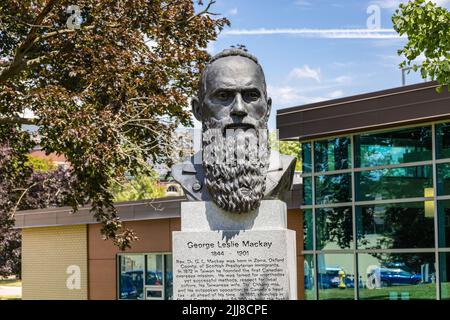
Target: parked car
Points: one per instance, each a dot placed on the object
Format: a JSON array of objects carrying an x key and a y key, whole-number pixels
[
  {"x": 127, "y": 288},
  {"x": 330, "y": 278},
  {"x": 398, "y": 277}
]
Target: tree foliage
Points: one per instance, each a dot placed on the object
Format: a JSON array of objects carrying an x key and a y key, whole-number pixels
[
  {"x": 21, "y": 188},
  {"x": 291, "y": 148},
  {"x": 40, "y": 164},
  {"x": 139, "y": 188},
  {"x": 427, "y": 27},
  {"x": 108, "y": 95}
]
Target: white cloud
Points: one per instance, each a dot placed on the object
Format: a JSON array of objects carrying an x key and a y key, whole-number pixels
[
  {"x": 342, "y": 64},
  {"x": 393, "y": 4},
  {"x": 305, "y": 72},
  {"x": 336, "y": 94},
  {"x": 303, "y": 3},
  {"x": 319, "y": 33},
  {"x": 211, "y": 48},
  {"x": 342, "y": 79},
  {"x": 233, "y": 12},
  {"x": 288, "y": 96}
]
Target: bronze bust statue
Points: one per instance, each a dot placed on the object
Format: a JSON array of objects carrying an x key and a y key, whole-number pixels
[{"x": 232, "y": 96}]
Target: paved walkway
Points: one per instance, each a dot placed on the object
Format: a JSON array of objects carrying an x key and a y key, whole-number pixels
[{"x": 10, "y": 291}]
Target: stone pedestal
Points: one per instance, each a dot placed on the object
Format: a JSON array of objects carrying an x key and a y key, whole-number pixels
[{"x": 219, "y": 255}]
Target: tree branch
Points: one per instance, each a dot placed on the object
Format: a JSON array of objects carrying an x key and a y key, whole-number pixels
[
  {"x": 205, "y": 11},
  {"x": 18, "y": 120},
  {"x": 58, "y": 32},
  {"x": 17, "y": 63}
]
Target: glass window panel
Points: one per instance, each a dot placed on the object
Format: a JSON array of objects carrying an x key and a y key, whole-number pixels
[
  {"x": 333, "y": 188},
  {"x": 444, "y": 223},
  {"x": 307, "y": 229},
  {"x": 398, "y": 183},
  {"x": 444, "y": 276},
  {"x": 397, "y": 276},
  {"x": 307, "y": 191},
  {"x": 443, "y": 179},
  {"x": 335, "y": 276},
  {"x": 168, "y": 287},
  {"x": 306, "y": 157},
  {"x": 309, "y": 277},
  {"x": 395, "y": 226},
  {"x": 443, "y": 140},
  {"x": 154, "y": 294},
  {"x": 334, "y": 228},
  {"x": 393, "y": 147},
  {"x": 331, "y": 155},
  {"x": 131, "y": 279},
  {"x": 154, "y": 270}
]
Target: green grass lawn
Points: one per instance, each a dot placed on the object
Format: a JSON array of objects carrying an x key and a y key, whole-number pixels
[
  {"x": 414, "y": 292},
  {"x": 10, "y": 282}
]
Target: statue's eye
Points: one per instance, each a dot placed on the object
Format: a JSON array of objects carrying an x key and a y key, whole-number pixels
[
  {"x": 223, "y": 95},
  {"x": 251, "y": 95}
]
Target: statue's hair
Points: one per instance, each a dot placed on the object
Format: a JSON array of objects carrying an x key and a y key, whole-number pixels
[{"x": 232, "y": 52}]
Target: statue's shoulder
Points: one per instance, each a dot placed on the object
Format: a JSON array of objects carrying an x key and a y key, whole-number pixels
[
  {"x": 190, "y": 175},
  {"x": 280, "y": 161},
  {"x": 280, "y": 175}
]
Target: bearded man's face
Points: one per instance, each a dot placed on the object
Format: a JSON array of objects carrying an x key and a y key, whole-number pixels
[{"x": 234, "y": 110}]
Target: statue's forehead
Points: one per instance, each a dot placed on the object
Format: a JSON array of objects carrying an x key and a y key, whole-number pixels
[{"x": 234, "y": 71}]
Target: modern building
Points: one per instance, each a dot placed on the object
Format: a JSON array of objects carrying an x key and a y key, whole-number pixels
[
  {"x": 372, "y": 215},
  {"x": 376, "y": 185},
  {"x": 65, "y": 257}
]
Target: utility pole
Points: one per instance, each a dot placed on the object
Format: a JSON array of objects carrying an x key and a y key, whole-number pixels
[{"x": 404, "y": 75}]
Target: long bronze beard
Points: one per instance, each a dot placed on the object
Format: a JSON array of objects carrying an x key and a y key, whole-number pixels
[{"x": 236, "y": 187}]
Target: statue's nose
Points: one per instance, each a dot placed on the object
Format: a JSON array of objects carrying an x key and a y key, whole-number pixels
[{"x": 238, "y": 108}]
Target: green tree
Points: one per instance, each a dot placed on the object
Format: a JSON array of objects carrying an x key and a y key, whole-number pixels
[
  {"x": 139, "y": 188},
  {"x": 291, "y": 148},
  {"x": 427, "y": 27},
  {"x": 107, "y": 95},
  {"x": 40, "y": 164}
]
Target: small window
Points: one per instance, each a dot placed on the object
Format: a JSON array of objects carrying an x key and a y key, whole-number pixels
[
  {"x": 145, "y": 276},
  {"x": 172, "y": 189}
]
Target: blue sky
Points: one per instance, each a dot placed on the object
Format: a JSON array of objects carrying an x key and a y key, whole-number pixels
[{"x": 315, "y": 50}]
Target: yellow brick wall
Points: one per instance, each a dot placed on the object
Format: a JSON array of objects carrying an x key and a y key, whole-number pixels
[{"x": 47, "y": 253}]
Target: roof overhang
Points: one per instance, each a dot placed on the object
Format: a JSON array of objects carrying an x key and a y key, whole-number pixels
[
  {"x": 161, "y": 208},
  {"x": 381, "y": 109}
]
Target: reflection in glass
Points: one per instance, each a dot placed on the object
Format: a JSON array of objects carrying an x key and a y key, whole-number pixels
[
  {"x": 309, "y": 277},
  {"x": 444, "y": 223},
  {"x": 444, "y": 275},
  {"x": 331, "y": 155},
  {"x": 335, "y": 276},
  {"x": 307, "y": 229},
  {"x": 395, "y": 226},
  {"x": 333, "y": 188},
  {"x": 154, "y": 294},
  {"x": 306, "y": 157},
  {"x": 334, "y": 228},
  {"x": 398, "y": 183},
  {"x": 307, "y": 191},
  {"x": 393, "y": 147},
  {"x": 397, "y": 276},
  {"x": 443, "y": 140},
  {"x": 168, "y": 280},
  {"x": 443, "y": 179},
  {"x": 131, "y": 282},
  {"x": 154, "y": 276}
]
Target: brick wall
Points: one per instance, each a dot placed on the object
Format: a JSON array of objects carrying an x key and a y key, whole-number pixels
[{"x": 47, "y": 253}]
